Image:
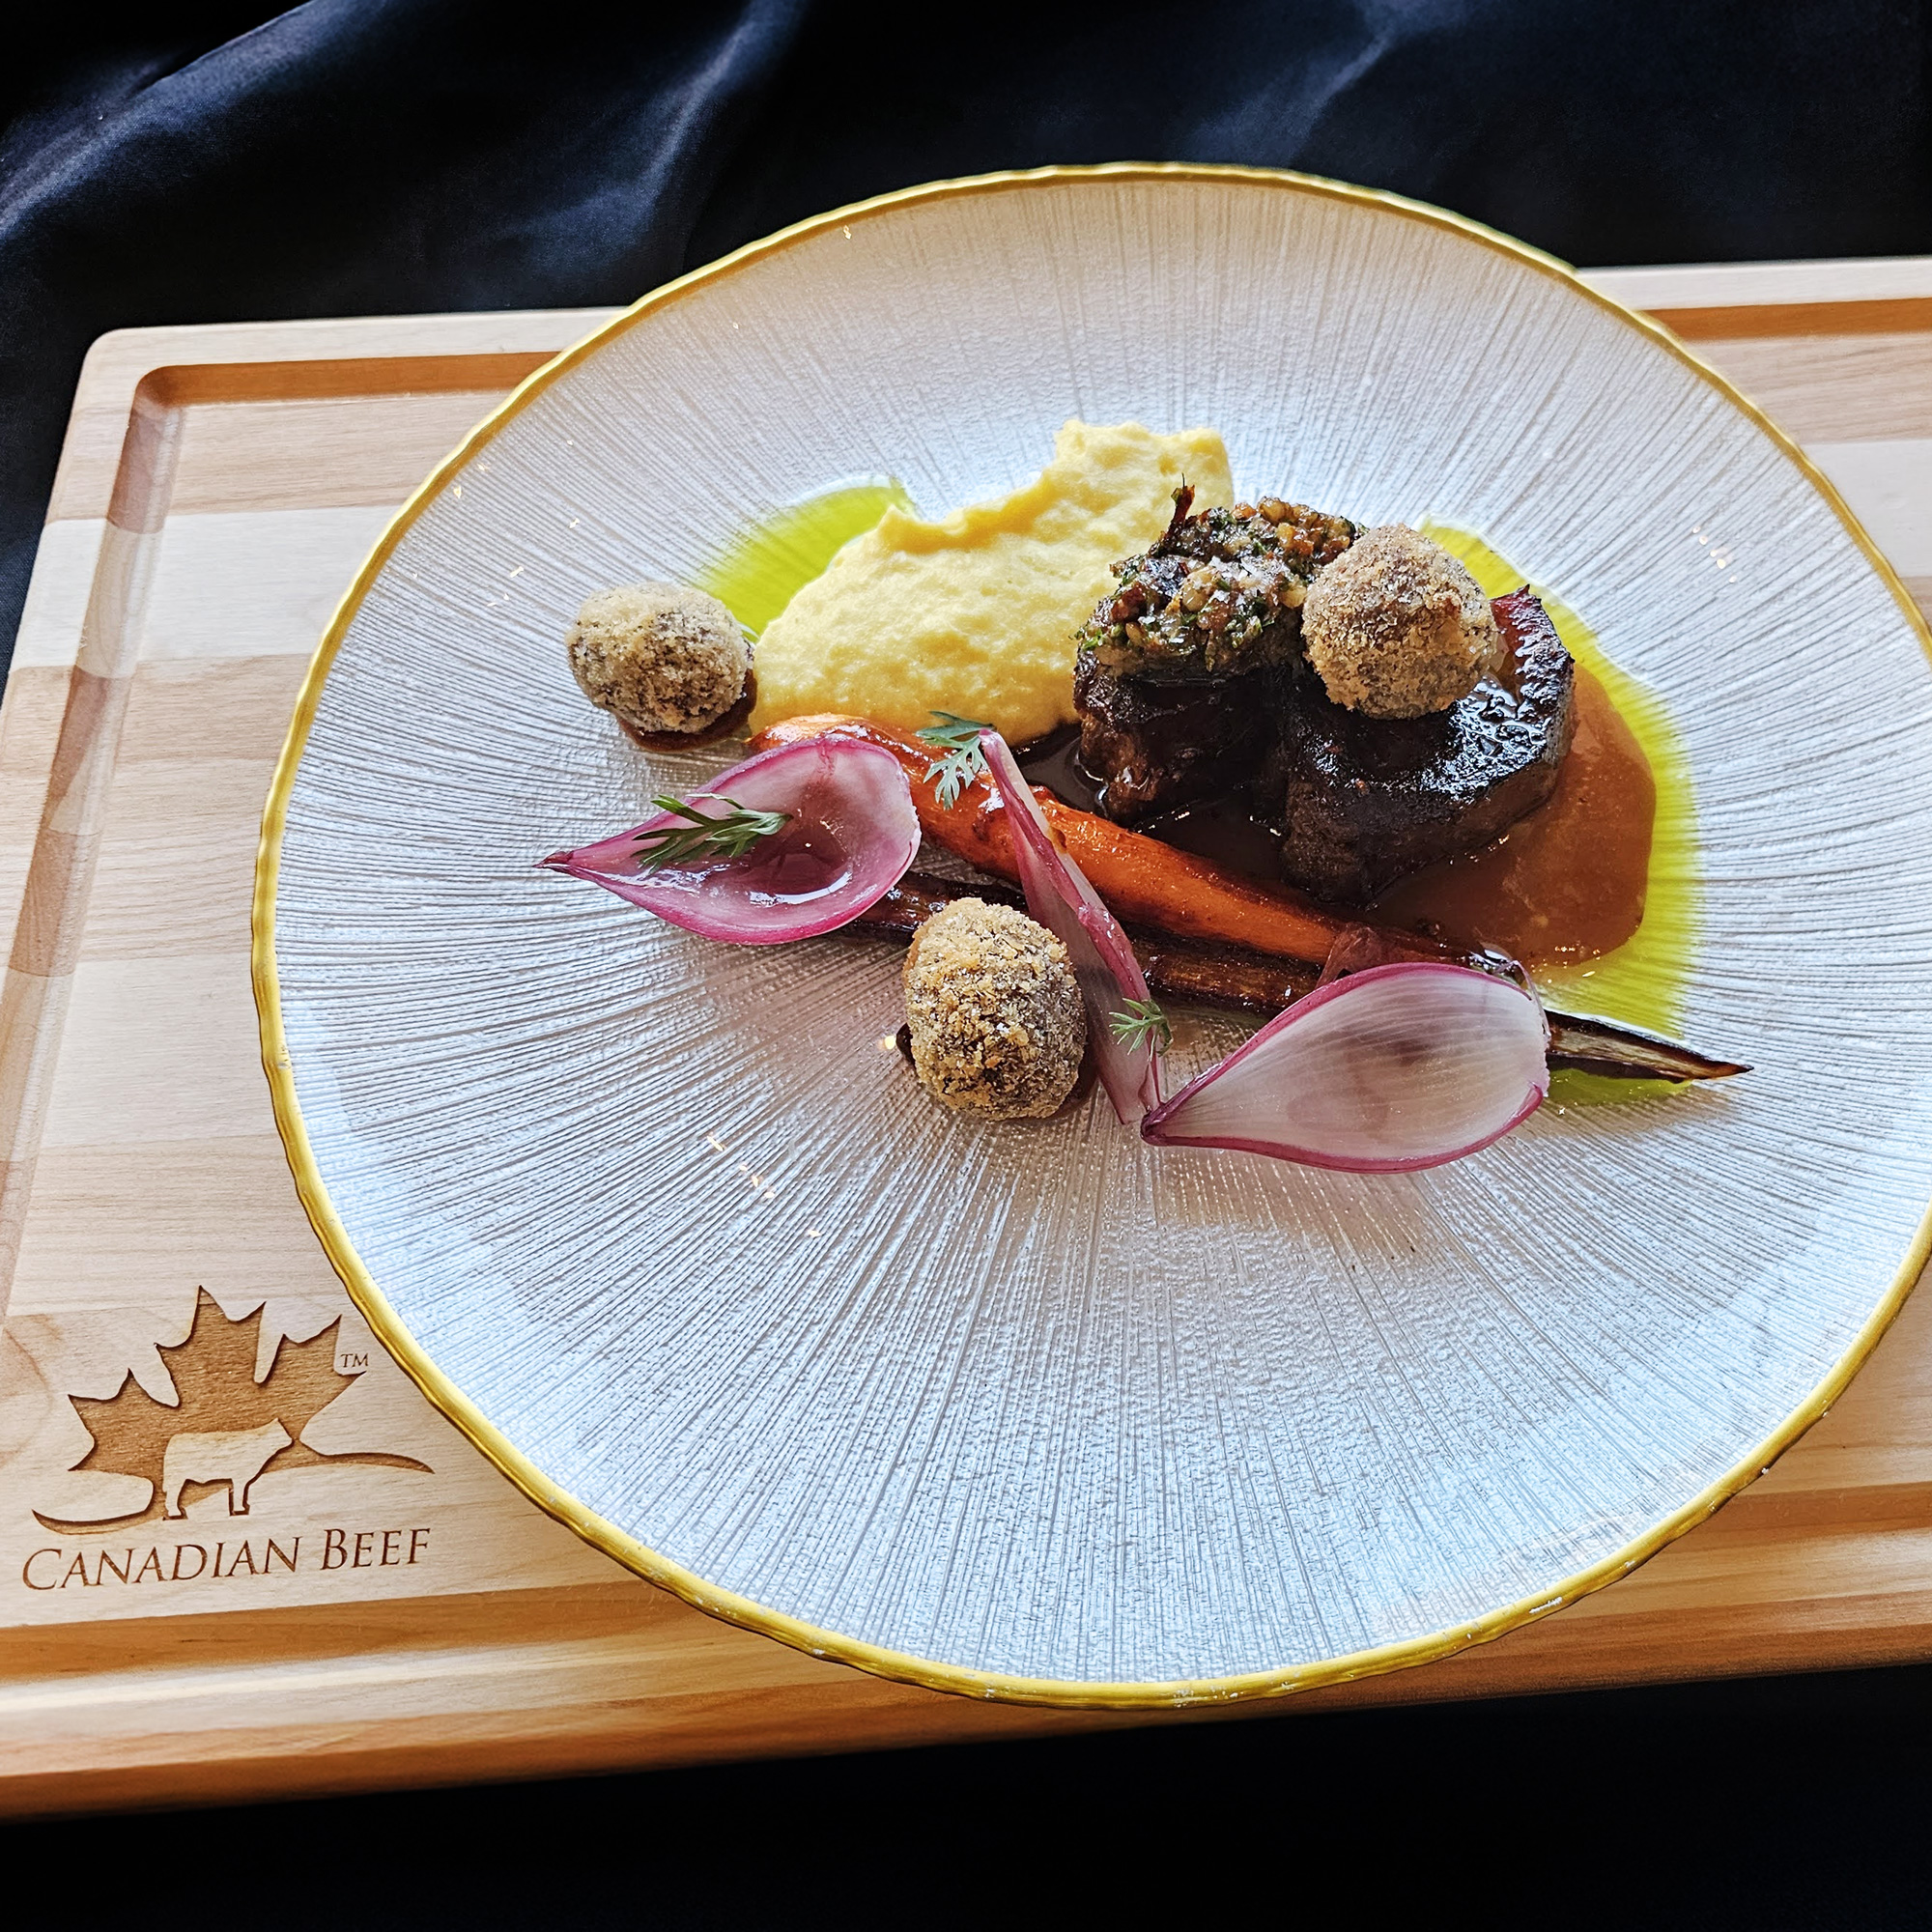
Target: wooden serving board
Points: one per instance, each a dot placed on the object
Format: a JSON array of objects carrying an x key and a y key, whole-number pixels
[{"x": 240, "y": 1555}]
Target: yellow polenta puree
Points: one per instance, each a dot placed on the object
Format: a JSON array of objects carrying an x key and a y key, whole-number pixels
[{"x": 975, "y": 613}]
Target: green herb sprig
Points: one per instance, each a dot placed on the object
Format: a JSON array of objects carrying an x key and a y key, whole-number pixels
[
  {"x": 729, "y": 836},
  {"x": 1141, "y": 1023},
  {"x": 960, "y": 761}
]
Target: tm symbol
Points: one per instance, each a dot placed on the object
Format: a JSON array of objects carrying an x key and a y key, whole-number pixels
[{"x": 348, "y": 1361}]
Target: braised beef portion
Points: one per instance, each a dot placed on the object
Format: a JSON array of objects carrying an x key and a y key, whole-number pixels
[
  {"x": 1181, "y": 668},
  {"x": 1154, "y": 746},
  {"x": 1370, "y": 800}
]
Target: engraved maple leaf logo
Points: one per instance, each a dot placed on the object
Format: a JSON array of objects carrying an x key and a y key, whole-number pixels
[{"x": 225, "y": 1427}]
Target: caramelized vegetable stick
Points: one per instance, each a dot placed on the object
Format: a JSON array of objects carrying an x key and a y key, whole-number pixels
[
  {"x": 1215, "y": 976},
  {"x": 1144, "y": 881},
  {"x": 1194, "y": 976}
]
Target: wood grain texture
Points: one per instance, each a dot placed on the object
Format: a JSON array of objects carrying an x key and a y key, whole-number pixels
[{"x": 211, "y": 472}]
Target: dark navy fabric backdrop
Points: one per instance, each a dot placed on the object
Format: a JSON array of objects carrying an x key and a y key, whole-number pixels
[{"x": 381, "y": 156}]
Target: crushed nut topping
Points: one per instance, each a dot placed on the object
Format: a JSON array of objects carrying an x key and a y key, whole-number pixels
[{"x": 1216, "y": 594}]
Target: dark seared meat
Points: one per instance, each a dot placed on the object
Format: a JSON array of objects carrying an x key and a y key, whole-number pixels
[
  {"x": 1370, "y": 800},
  {"x": 1216, "y": 595},
  {"x": 1178, "y": 675},
  {"x": 1153, "y": 745}
]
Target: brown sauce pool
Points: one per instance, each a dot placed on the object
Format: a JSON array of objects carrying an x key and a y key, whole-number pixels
[{"x": 1565, "y": 884}]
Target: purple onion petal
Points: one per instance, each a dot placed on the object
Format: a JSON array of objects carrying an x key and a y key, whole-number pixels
[
  {"x": 1402, "y": 1067},
  {"x": 852, "y": 833},
  {"x": 1059, "y": 896}
]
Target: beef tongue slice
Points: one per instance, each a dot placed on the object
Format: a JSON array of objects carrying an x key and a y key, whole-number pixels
[
  {"x": 1153, "y": 745},
  {"x": 1370, "y": 800}
]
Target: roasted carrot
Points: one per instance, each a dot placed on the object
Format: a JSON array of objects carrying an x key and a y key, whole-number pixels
[
  {"x": 1199, "y": 976},
  {"x": 1188, "y": 974},
  {"x": 1146, "y": 882}
]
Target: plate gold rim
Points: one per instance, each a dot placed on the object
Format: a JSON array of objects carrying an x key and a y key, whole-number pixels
[{"x": 626, "y": 1550}]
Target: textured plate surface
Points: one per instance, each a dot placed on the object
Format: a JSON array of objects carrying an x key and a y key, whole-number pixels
[{"x": 1037, "y": 1409}]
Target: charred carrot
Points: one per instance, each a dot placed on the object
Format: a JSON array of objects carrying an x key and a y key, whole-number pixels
[
  {"x": 1200, "y": 976},
  {"x": 1146, "y": 882}
]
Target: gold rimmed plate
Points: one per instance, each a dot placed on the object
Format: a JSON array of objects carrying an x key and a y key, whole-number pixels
[{"x": 1034, "y": 1410}]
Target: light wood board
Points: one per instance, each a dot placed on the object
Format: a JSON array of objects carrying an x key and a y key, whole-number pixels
[{"x": 353, "y": 1597}]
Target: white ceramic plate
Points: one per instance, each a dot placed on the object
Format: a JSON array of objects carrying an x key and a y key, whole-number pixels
[{"x": 1035, "y": 1411}]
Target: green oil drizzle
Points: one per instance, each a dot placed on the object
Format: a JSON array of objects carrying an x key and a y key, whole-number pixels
[
  {"x": 758, "y": 571},
  {"x": 1642, "y": 982}
]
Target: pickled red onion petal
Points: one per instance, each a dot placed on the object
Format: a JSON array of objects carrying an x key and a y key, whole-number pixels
[
  {"x": 1059, "y": 896},
  {"x": 851, "y": 835},
  {"x": 1401, "y": 1066}
]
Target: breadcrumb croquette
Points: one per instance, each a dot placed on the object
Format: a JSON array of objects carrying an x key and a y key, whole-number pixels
[
  {"x": 994, "y": 1012},
  {"x": 659, "y": 656},
  {"x": 1397, "y": 628}
]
